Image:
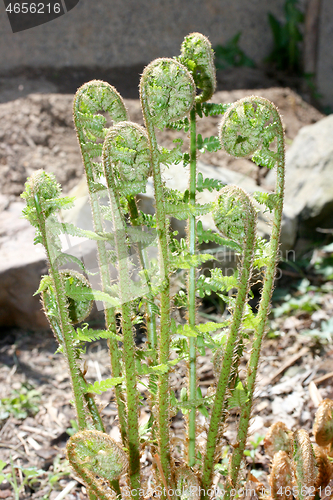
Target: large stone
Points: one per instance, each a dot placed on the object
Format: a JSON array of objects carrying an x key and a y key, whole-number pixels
[
  {"x": 21, "y": 266},
  {"x": 309, "y": 179}
]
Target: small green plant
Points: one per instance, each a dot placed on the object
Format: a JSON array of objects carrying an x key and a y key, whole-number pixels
[
  {"x": 21, "y": 403},
  {"x": 231, "y": 55},
  {"x": 286, "y": 37},
  {"x": 118, "y": 161},
  {"x": 31, "y": 476},
  {"x": 255, "y": 443},
  {"x": 35, "y": 478}
]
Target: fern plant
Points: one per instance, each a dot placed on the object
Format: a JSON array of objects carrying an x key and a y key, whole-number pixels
[
  {"x": 300, "y": 469},
  {"x": 118, "y": 161}
]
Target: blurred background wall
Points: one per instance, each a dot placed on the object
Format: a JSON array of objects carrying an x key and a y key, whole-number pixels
[{"x": 118, "y": 33}]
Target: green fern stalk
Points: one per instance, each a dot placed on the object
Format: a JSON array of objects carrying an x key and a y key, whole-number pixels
[
  {"x": 192, "y": 293},
  {"x": 131, "y": 167},
  {"x": 89, "y": 99},
  {"x": 248, "y": 128},
  {"x": 197, "y": 56},
  {"x": 235, "y": 217},
  {"x": 167, "y": 94},
  {"x": 126, "y": 313},
  {"x": 42, "y": 194},
  {"x": 148, "y": 304}
]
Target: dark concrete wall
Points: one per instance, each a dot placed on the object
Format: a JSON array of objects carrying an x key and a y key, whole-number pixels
[{"x": 113, "y": 33}]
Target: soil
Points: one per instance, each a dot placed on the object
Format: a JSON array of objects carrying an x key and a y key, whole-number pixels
[{"x": 36, "y": 131}]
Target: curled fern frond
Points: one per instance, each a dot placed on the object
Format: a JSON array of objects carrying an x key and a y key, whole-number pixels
[
  {"x": 323, "y": 423},
  {"x": 249, "y": 127},
  {"x": 198, "y": 57},
  {"x": 91, "y": 98},
  {"x": 168, "y": 90},
  {"x": 324, "y": 468},
  {"x": 187, "y": 484},
  {"x": 278, "y": 438},
  {"x": 43, "y": 196},
  {"x": 305, "y": 469},
  {"x": 130, "y": 156},
  {"x": 233, "y": 213},
  {"x": 94, "y": 456},
  {"x": 281, "y": 476}
]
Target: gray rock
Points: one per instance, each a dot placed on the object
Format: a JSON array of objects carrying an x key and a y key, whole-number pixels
[
  {"x": 21, "y": 266},
  {"x": 309, "y": 179}
]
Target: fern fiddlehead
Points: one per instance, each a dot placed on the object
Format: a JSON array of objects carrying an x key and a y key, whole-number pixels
[
  {"x": 235, "y": 217},
  {"x": 78, "y": 310},
  {"x": 95, "y": 457},
  {"x": 129, "y": 150},
  {"x": 281, "y": 475},
  {"x": 167, "y": 93},
  {"x": 187, "y": 484},
  {"x": 278, "y": 438},
  {"x": 42, "y": 195},
  {"x": 91, "y": 98},
  {"x": 109, "y": 159},
  {"x": 197, "y": 57},
  {"x": 323, "y": 423},
  {"x": 248, "y": 129},
  {"x": 304, "y": 465}
]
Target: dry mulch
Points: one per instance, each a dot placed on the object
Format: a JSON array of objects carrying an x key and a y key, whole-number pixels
[{"x": 289, "y": 364}]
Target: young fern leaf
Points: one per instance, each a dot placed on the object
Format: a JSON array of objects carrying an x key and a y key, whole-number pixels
[
  {"x": 209, "y": 184},
  {"x": 95, "y": 457},
  {"x": 235, "y": 217},
  {"x": 323, "y": 423},
  {"x": 173, "y": 156},
  {"x": 303, "y": 464},
  {"x": 268, "y": 199},
  {"x": 42, "y": 194},
  {"x": 278, "y": 438},
  {"x": 248, "y": 128},
  {"x": 90, "y": 335},
  {"x": 167, "y": 93},
  {"x": 211, "y": 109},
  {"x": 110, "y": 166},
  {"x": 78, "y": 308},
  {"x": 104, "y": 385},
  {"x": 129, "y": 150},
  {"x": 210, "y": 144},
  {"x": 205, "y": 236},
  {"x": 198, "y": 57},
  {"x": 91, "y": 98},
  {"x": 216, "y": 282},
  {"x": 281, "y": 476}
]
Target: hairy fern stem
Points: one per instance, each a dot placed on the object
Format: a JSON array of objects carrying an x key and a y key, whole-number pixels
[
  {"x": 126, "y": 314},
  {"x": 234, "y": 201},
  {"x": 89, "y": 99},
  {"x": 266, "y": 293},
  {"x": 192, "y": 292}
]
